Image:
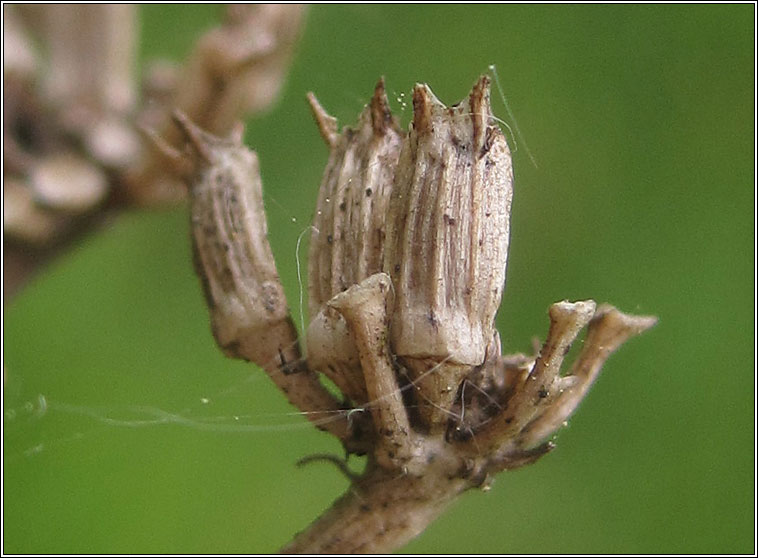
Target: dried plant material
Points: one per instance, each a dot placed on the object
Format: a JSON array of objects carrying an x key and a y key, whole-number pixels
[
  {"x": 529, "y": 395},
  {"x": 68, "y": 97},
  {"x": 412, "y": 348},
  {"x": 239, "y": 67},
  {"x": 347, "y": 239},
  {"x": 365, "y": 309},
  {"x": 22, "y": 218},
  {"x": 607, "y": 331},
  {"x": 407, "y": 257},
  {"x": 249, "y": 315},
  {"x": 19, "y": 56},
  {"x": 381, "y": 512},
  {"x": 159, "y": 83},
  {"x": 230, "y": 241},
  {"x": 447, "y": 244},
  {"x": 384, "y": 510},
  {"x": 473, "y": 413},
  {"x": 70, "y": 92},
  {"x": 67, "y": 182},
  {"x": 235, "y": 69},
  {"x": 90, "y": 50}
]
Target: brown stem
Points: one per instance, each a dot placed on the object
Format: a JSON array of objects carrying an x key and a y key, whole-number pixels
[
  {"x": 364, "y": 307},
  {"x": 380, "y": 512}
]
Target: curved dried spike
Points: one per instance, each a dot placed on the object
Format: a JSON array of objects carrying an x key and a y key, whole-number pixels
[
  {"x": 179, "y": 163},
  {"x": 326, "y": 123},
  {"x": 447, "y": 242}
]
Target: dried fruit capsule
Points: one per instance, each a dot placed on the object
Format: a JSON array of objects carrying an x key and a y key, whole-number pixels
[
  {"x": 447, "y": 242},
  {"x": 231, "y": 249},
  {"x": 347, "y": 241},
  {"x": 249, "y": 314}
]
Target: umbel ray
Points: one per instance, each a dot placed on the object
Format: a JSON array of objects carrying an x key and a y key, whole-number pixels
[{"x": 406, "y": 272}]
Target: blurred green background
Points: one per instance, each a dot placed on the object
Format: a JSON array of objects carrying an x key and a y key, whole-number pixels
[{"x": 640, "y": 119}]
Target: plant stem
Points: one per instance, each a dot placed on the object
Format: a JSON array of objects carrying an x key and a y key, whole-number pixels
[{"x": 380, "y": 512}]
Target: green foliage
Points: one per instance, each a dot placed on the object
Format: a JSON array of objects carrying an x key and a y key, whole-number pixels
[{"x": 641, "y": 121}]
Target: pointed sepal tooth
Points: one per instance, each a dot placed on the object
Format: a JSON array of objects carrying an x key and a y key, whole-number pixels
[
  {"x": 481, "y": 112},
  {"x": 425, "y": 105},
  {"x": 327, "y": 124},
  {"x": 381, "y": 115},
  {"x": 203, "y": 143}
]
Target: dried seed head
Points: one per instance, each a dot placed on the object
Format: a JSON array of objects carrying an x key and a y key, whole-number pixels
[
  {"x": 347, "y": 241},
  {"x": 232, "y": 254},
  {"x": 447, "y": 241}
]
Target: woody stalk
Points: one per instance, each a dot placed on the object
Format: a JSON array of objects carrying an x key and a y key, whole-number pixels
[{"x": 406, "y": 272}]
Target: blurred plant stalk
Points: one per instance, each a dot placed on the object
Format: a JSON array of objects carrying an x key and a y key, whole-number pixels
[{"x": 75, "y": 109}]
